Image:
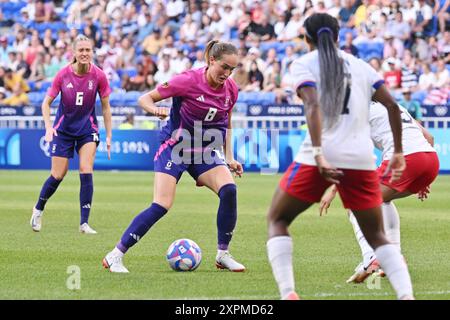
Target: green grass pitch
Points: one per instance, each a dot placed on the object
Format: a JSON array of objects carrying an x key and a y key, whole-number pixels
[{"x": 38, "y": 265}]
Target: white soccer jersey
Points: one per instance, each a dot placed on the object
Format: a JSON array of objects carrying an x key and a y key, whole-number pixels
[
  {"x": 412, "y": 137},
  {"x": 347, "y": 144}
]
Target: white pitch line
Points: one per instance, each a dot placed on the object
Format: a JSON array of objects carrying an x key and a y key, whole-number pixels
[{"x": 320, "y": 295}]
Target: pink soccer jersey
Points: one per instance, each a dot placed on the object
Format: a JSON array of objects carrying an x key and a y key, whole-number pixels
[
  {"x": 195, "y": 100},
  {"x": 76, "y": 111}
]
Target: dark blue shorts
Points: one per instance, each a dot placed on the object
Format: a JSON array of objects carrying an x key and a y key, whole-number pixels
[
  {"x": 195, "y": 165},
  {"x": 63, "y": 145}
]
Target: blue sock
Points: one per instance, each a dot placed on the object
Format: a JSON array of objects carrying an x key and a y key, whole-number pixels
[
  {"x": 48, "y": 189},
  {"x": 140, "y": 225},
  {"x": 86, "y": 193},
  {"x": 227, "y": 215}
]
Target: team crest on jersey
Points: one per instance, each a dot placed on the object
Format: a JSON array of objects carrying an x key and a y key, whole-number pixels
[
  {"x": 91, "y": 84},
  {"x": 165, "y": 85}
]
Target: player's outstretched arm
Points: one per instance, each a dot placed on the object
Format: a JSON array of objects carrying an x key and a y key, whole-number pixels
[
  {"x": 234, "y": 165},
  {"x": 49, "y": 130},
  {"x": 106, "y": 109},
  {"x": 147, "y": 102}
]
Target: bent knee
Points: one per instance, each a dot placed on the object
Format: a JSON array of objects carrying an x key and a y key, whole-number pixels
[
  {"x": 228, "y": 191},
  {"x": 58, "y": 175}
]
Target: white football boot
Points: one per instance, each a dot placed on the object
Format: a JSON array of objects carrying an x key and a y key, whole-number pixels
[
  {"x": 36, "y": 219},
  {"x": 225, "y": 260},
  {"x": 114, "y": 263},
  {"x": 85, "y": 228}
]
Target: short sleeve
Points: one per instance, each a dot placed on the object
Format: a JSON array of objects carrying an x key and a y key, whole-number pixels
[
  {"x": 375, "y": 80},
  {"x": 302, "y": 75},
  {"x": 103, "y": 85},
  {"x": 176, "y": 86},
  {"x": 55, "y": 88}
]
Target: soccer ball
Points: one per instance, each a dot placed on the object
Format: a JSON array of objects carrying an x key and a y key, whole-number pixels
[{"x": 184, "y": 255}]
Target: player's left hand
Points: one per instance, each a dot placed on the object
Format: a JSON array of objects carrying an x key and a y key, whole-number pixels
[
  {"x": 396, "y": 165},
  {"x": 236, "y": 168},
  {"x": 423, "y": 194},
  {"x": 325, "y": 202},
  {"x": 108, "y": 147}
]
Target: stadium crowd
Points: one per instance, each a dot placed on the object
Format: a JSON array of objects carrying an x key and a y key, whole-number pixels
[{"x": 142, "y": 43}]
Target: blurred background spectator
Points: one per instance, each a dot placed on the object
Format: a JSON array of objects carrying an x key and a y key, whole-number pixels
[{"x": 142, "y": 43}]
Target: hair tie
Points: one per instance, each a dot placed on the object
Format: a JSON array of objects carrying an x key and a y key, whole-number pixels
[{"x": 324, "y": 29}]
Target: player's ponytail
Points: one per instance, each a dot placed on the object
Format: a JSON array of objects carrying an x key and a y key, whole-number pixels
[
  {"x": 80, "y": 37},
  {"x": 216, "y": 49},
  {"x": 322, "y": 30}
]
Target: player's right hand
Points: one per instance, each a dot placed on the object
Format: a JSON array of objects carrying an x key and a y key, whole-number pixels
[
  {"x": 161, "y": 112},
  {"x": 49, "y": 133},
  {"x": 396, "y": 166},
  {"x": 329, "y": 173}
]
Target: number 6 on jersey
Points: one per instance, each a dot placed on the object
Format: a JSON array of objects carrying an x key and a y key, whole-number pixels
[
  {"x": 210, "y": 115},
  {"x": 79, "y": 99}
]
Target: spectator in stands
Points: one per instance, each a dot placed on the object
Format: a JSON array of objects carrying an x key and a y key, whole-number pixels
[
  {"x": 427, "y": 79},
  {"x": 346, "y": 14},
  {"x": 47, "y": 41},
  {"x": 409, "y": 71},
  {"x": 272, "y": 80},
  {"x": 420, "y": 47},
  {"x": 376, "y": 64},
  {"x": 180, "y": 62},
  {"x": 240, "y": 76},
  {"x": 37, "y": 74},
  {"x": 263, "y": 30},
  {"x": 4, "y": 59},
  {"x": 154, "y": 42},
  {"x": 292, "y": 28},
  {"x": 14, "y": 82},
  {"x": 199, "y": 60},
  {"x": 442, "y": 11},
  {"x": 44, "y": 12},
  {"x": 424, "y": 17},
  {"x": 289, "y": 56},
  {"x": 348, "y": 45},
  {"x": 255, "y": 78},
  {"x": 17, "y": 98},
  {"x": 400, "y": 30},
  {"x": 442, "y": 75},
  {"x": 188, "y": 29},
  {"x": 137, "y": 82},
  {"x": 433, "y": 49},
  {"x": 409, "y": 12},
  {"x": 127, "y": 55},
  {"x": 128, "y": 123},
  {"x": 165, "y": 72},
  {"x": 413, "y": 106},
  {"x": 32, "y": 50},
  {"x": 218, "y": 29},
  {"x": 147, "y": 27},
  {"x": 254, "y": 55},
  {"x": 393, "y": 76},
  {"x": 3, "y": 95},
  {"x": 22, "y": 67},
  {"x": 335, "y": 9},
  {"x": 21, "y": 42}
]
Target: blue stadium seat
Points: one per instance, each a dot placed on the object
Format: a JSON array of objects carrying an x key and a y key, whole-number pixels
[
  {"x": 36, "y": 98},
  {"x": 131, "y": 97},
  {"x": 117, "y": 99},
  {"x": 45, "y": 85}
]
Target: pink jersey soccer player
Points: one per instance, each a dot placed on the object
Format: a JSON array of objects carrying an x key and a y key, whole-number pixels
[
  {"x": 198, "y": 128},
  {"x": 75, "y": 127}
]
